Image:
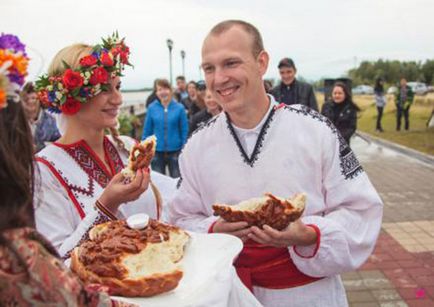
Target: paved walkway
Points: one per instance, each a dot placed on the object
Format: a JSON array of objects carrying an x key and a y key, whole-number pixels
[{"x": 400, "y": 272}]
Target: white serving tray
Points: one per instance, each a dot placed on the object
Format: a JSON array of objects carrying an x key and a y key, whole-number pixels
[{"x": 205, "y": 256}]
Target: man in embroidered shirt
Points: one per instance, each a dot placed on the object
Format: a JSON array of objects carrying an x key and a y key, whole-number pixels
[{"x": 255, "y": 147}]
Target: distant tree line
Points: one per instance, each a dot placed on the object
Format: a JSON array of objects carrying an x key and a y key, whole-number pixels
[
  {"x": 144, "y": 89},
  {"x": 392, "y": 71}
]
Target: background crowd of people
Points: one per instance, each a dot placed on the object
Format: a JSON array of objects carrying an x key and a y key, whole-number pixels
[{"x": 199, "y": 106}]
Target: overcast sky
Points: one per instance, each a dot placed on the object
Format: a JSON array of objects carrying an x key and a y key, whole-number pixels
[{"x": 325, "y": 38}]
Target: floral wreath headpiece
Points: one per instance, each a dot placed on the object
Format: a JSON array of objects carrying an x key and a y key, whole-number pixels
[
  {"x": 65, "y": 93},
  {"x": 13, "y": 68}
]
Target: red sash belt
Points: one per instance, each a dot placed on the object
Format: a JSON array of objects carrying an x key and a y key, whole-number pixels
[{"x": 268, "y": 267}]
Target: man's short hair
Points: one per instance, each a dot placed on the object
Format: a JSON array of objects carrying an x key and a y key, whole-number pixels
[
  {"x": 224, "y": 26},
  {"x": 201, "y": 85},
  {"x": 192, "y": 82},
  {"x": 286, "y": 62},
  {"x": 182, "y": 78}
]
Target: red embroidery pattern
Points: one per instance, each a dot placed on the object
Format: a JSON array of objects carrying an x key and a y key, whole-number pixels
[
  {"x": 88, "y": 164},
  {"x": 89, "y": 191},
  {"x": 279, "y": 106},
  {"x": 92, "y": 165},
  {"x": 114, "y": 159},
  {"x": 64, "y": 182}
]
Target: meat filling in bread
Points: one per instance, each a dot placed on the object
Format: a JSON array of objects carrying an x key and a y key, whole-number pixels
[
  {"x": 268, "y": 210},
  {"x": 132, "y": 262}
]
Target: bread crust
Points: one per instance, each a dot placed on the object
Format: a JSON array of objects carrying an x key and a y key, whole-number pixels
[
  {"x": 275, "y": 212},
  {"x": 145, "y": 286},
  {"x": 149, "y": 286}
]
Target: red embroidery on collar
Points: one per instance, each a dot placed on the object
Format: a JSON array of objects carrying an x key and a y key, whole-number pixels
[
  {"x": 92, "y": 164},
  {"x": 114, "y": 159},
  {"x": 281, "y": 105}
]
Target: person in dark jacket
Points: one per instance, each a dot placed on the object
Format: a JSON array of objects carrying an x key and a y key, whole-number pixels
[
  {"x": 342, "y": 111},
  {"x": 201, "y": 117},
  {"x": 290, "y": 90},
  {"x": 380, "y": 102},
  {"x": 167, "y": 120},
  {"x": 403, "y": 100},
  {"x": 200, "y": 98},
  {"x": 268, "y": 85},
  {"x": 181, "y": 89},
  {"x": 190, "y": 101},
  {"x": 153, "y": 95}
]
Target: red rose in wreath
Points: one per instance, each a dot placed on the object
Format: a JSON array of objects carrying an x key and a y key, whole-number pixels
[
  {"x": 72, "y": 79},
  {"x": 99, "y": 75},
  {"x": 71, "y": 106}
]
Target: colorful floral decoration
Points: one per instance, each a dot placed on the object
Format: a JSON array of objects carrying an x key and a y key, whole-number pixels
[
  {"x": 13, "y": 68},
  {"x": 65, "y": 93}
]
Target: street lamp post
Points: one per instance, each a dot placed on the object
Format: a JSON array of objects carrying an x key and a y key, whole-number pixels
[
  {"x": 200, "y": 72},
  {"x": 170, "y": 46},
  {"x": 183, "y": 58}
]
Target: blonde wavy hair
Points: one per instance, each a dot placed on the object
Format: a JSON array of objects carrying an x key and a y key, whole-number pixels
[{"x": 72, "y": 55}]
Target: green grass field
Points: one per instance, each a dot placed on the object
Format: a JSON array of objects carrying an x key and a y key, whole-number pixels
[{"x": 419, "y": 137}]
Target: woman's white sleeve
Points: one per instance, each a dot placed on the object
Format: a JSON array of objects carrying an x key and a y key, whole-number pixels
[{"x": 56, "y": 216}]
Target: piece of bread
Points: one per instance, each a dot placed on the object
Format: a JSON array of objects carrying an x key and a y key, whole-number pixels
[
  {"x": 131, "y": 262},
  {"x": 140, "y": 157},
  {"x": 268, "y": 210}
]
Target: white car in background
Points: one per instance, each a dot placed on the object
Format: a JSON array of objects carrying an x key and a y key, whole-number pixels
[
  {"x": 363, "y": 90},
  {"x": 392, "y": 90},
  {"x": 418, "y": 88}
]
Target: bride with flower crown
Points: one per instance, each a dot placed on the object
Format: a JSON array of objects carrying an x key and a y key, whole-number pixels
[{"x": 80, "y": 184}]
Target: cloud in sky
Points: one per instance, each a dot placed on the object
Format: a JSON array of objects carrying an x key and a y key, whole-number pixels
[{"x": 325, "y": 38}]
